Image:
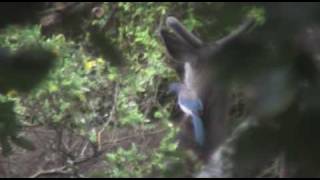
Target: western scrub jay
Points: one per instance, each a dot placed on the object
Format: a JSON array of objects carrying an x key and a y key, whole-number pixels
[{"x": 191, "y": 105}]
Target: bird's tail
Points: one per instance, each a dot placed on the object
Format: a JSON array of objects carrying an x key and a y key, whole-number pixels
[{"x": 198, "y": 129}]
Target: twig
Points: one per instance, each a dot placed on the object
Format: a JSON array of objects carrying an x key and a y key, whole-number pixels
[
  {"x": 84, "y": 149},
  {"x": 112, "y": 112},
  {"x": 133, "y": 136},
  {"x": 267, "y": 171},
  {"x": 59, "y": 170},
  {"x": 153, "y": 98},
  {"x": 111, "y": 17},
  {"x": 94, "y": 156}
]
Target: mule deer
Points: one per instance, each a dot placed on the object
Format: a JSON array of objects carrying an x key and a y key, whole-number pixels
[
  {"x": 278, "y": 63},
  {"x": 194, "y": 56}
]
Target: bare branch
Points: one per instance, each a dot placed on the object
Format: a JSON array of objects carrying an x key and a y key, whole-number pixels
[
  {"x": 111, "y": 117},
  {"x": 59, "y": 170},
  {"x": 134, "y": 136}
]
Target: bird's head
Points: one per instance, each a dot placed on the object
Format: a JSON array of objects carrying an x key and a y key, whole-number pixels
[{"x": 175, "y": 87}]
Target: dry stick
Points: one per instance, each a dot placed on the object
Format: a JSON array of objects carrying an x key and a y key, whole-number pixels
[
  {"x": 133, "y": 136},
  {"x": 114, "y": 10},
  {"x": 83, "y": 140},
  {"x": 67, "y": 7},
  {"x": 84, "y": 149},
  {"x": 267, "y": 171},
  {"x": 63, "y": 170},
  {"x": 102, "y": 151},
  {"x": 153, "y": 98},
  {"x": 59, "y": 170},
  {"x": 112, "y": 112},
  {"x": 68, "y": 146}
]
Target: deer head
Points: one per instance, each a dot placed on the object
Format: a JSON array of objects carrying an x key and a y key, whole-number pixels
[{"x": 197, "y": 60}]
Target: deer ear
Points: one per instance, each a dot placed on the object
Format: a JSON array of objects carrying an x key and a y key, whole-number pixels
[
  {"x": 176, "y": 47},
  {"x": 181, "y": 31}
]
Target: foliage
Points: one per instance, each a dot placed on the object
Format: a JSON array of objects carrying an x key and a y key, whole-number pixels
[
  {"x": 140, "y": 82},
  {"x": 86, "y": 93}
]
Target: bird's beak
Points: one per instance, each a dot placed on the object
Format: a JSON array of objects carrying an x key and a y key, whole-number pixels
[{"x": 169, "y": 91}]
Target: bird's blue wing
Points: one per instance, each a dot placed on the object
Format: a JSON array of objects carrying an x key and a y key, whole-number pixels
[{"x": 194, "y": 105}]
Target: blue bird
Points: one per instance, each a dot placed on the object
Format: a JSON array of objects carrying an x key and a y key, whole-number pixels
[{"x": 191, "y": 105}]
